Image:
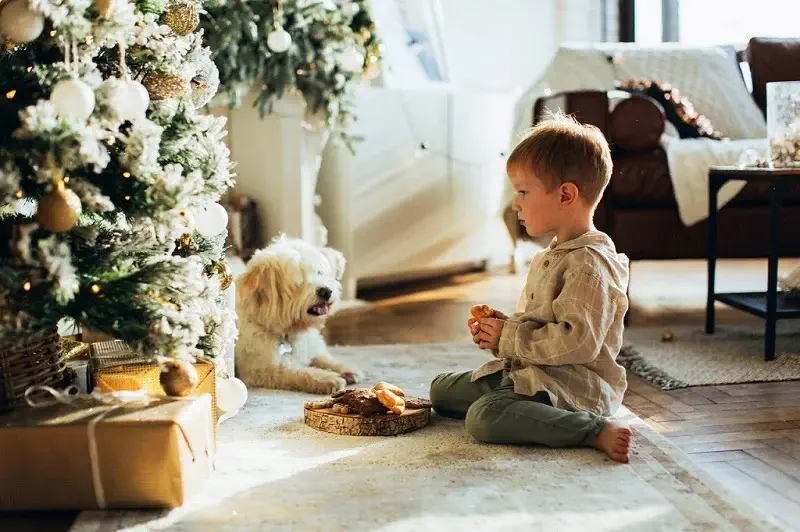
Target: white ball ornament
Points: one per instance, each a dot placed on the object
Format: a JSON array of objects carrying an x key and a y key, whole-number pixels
[
  {"x": 231, "y": 394},
  {"x": 73, "y": 98},
  {"x": 212, "y": 220},
  {"x": 279, "y": 40},
  {"x": 19, "y": 22},
  {"x": 139, "y": 96},
  {"x": 351, "y": 60},
  {"x": 351, "y": 9}
]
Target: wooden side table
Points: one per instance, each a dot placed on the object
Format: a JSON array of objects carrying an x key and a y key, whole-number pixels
[{"x": 771, "y": 305}]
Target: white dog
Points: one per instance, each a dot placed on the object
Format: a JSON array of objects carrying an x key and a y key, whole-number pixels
[{"x": 283, "y": 299}]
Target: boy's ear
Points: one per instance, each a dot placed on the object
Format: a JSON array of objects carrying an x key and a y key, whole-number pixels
[{"x": 568, "y": 193}]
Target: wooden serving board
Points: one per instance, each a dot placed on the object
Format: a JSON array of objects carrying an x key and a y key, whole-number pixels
[{"x": 327, "y": 420}]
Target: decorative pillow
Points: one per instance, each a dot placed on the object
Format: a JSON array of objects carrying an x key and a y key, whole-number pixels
[
  {"x": 678, "y": 110},
  {"x": 708, "y": 76}
]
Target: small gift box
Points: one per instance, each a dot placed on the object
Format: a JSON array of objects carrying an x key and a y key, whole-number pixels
[
  {"x": 104, "y": 451},
  {"x": 115, "y": 367}
]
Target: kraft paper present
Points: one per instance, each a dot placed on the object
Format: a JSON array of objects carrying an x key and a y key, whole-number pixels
[
  {"x": 89, "y": 455},
  {"x": 115, "y": 367}
]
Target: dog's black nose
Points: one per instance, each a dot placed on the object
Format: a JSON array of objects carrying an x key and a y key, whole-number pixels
[{"x": 324, "y": 293}]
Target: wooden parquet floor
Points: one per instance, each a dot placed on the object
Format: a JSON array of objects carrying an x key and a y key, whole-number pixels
[{"x": 747, "y": 435}]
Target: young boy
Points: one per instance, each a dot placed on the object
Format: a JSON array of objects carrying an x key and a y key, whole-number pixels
[{"x": 554, "y": 376}]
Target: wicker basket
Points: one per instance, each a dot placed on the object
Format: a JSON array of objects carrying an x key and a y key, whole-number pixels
[{"x": 39, "y": 361}]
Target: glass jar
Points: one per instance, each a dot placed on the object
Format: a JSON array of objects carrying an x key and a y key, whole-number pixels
[{"x": 783, "y": 124}]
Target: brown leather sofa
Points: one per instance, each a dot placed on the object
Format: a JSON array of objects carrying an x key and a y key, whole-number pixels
[{"x": 639, "y": 211}]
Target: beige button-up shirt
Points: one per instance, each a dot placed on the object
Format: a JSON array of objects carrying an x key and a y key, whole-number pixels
[{"x": 567, "y": 332}]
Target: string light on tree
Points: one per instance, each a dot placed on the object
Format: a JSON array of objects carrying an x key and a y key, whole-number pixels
[{"x": 19, "y": 22}]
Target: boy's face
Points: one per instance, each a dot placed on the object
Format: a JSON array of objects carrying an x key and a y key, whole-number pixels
[{"x": 538, "y": 209}]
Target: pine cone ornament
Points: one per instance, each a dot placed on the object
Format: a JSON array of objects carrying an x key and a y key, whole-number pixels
[
  {"x": 183, "y": 18},
  {"x": 164, "y": 86}
]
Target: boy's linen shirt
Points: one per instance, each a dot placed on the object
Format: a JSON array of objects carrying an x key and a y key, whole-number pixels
[{"x": 567, "y": 332}]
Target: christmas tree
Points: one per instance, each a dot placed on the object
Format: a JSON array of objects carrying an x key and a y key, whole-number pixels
[
  {"x": 110, "y": 175},
  {"x": 318, "y": 48}
]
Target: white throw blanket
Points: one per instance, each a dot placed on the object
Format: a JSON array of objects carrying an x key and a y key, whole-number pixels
[{"x": 689, "y": 161}]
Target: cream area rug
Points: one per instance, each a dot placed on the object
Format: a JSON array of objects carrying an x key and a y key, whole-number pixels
[
  {"x": 733, "y": 354},
  {"x": 275, "y": 473}
]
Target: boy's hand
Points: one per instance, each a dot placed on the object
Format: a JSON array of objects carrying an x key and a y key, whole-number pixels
[
  {"x": 487, "y": 333},
  {"x": 472, "y": 323}
]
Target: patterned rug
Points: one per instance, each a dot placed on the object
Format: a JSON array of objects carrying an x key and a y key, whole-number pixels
[
  {"x": 275, "y": 473},
  {"x": 733, "y": 354}
]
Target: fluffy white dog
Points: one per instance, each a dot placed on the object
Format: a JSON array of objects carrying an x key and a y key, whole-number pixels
[{"x": 282, "y": 301}]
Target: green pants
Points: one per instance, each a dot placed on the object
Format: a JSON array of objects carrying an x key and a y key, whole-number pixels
[{"x": 495, "y": 414}]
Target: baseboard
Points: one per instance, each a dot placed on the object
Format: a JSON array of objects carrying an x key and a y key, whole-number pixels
[{"x": 420, "y": 275}]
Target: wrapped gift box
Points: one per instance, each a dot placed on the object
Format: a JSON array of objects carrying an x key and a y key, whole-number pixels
[
  {"x": 115, "y": 367},
  {"x": 89, "y": 455}
]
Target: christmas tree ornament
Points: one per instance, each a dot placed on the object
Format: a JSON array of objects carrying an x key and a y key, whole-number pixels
[
  {"x": 212, "y": 220},
  {"x": 164, "y": 86},
  {"x": 279, "y": 40},
  {"x": 231, "y": 394},
  {"x": 104, "y": 7},
  {"x": 60, "y": 209},
  {"x": 139, "y": 96},
  {"x": 182, "y": 18},
  {"x": 19, "y": 22},
  {"x": 184, "y": 242},
  {"x": 129, "y": 99},
  {"x": 223, "y": 271},
  {"x": 178, "y": 378},
  {"x": 351, "y": 60},
  {"x": 73, "y": 99},
  {"x": 351, "y": 8}
]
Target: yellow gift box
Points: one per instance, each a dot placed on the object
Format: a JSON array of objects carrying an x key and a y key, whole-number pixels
[
  {"x": 115, "y": 367},
  {"x": 93, "y": 453}
]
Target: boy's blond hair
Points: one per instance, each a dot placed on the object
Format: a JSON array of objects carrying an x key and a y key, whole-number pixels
[{"x": 562, "y": 150}]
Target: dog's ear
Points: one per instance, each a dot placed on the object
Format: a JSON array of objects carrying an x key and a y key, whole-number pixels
[
  {"x": 260, "y": 280},
  {"x": 337, "y": 261}
]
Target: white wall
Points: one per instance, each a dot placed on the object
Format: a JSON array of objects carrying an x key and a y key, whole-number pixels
[{"x": 499, "y": 44}]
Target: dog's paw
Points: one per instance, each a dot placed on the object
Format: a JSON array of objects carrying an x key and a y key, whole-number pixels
[
  {"x": 353, "y": 376},
  {"x": 331, "y": 385}
]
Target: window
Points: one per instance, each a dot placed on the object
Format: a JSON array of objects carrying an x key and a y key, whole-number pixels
[{"x": 712, "y": 22}]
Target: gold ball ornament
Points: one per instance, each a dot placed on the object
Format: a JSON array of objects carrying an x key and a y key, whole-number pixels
[
  {"x": 104, "y": 7},
  {"x": 164, "y": 86},
  {"x": 183, "y": 19},
  {"x": 59, "y": 210},
  {"x": 224, "y": 273},
  {"x": 178, "y": 378},
  {"x": 667, "y": 336}
]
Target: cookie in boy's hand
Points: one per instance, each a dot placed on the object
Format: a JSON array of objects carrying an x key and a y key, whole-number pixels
[{"x": 481, "y": 311}]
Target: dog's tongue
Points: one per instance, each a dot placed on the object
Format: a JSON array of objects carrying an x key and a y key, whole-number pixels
[{"x": 319, "y": 309}]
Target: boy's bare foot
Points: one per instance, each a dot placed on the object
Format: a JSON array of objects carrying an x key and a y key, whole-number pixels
[{"x": 615, "y": 441}]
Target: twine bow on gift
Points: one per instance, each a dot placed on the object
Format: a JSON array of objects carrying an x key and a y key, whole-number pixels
[{"x": 116, "y": 400}]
